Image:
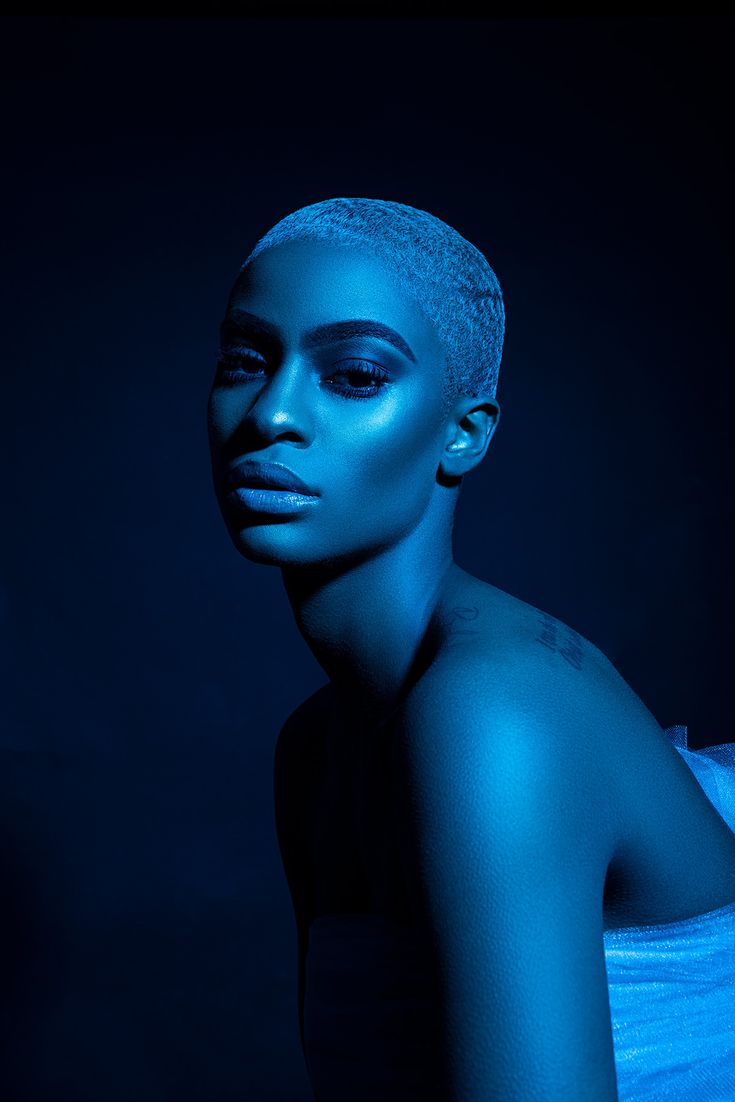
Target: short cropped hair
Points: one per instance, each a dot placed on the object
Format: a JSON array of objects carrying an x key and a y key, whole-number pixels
[{"x": 449, "y": 279}]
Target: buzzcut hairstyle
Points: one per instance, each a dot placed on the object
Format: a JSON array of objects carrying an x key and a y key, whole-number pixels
[{"x": 448, "y": 277}]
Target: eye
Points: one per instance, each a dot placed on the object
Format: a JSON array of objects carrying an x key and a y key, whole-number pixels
[
  {"x": 235, "y": 365},
  {"x": 365, "y": 379}
]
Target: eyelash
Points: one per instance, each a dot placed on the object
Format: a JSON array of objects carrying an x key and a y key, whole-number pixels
[{"x": 366, "y": 370}]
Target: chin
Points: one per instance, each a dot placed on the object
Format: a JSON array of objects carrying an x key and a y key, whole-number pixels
[
  {"x": 271, "y": 545},
  {"x": 277, "y": 545}
]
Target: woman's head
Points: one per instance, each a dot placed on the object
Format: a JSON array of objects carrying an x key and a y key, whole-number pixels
[
  {"x": 446, "y": 275},
  {"x": 333, "y": 363}
]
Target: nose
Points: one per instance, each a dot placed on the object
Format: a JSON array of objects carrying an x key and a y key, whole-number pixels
[{"x": 281, "y": 408}]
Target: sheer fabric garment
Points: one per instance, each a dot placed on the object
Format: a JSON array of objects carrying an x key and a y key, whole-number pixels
[{"x": 370, "y": 1017}]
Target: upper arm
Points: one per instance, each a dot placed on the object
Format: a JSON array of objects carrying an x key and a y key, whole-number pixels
[{"x": 505, "y": 842}]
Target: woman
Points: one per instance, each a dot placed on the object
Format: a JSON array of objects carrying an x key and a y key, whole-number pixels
[{"x": 507, "y": 881}]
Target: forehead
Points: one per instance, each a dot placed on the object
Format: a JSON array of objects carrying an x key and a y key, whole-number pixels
[{"x": 298, "y": 285}]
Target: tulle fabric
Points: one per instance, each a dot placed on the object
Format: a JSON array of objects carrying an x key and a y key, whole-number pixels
[
  {"x": 672, "y": 986},
  {"x": 370, "y": 1012}
]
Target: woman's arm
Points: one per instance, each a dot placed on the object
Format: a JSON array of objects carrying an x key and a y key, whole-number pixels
[{"x": 506, "y": 834}]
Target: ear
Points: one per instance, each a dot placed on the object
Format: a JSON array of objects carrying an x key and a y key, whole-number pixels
[{"x": 470, "y": 427}]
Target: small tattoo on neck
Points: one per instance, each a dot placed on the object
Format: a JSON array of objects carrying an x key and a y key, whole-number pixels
[
  {"x": 571, "y": 650},
  {"x": 460, "y": 617}
]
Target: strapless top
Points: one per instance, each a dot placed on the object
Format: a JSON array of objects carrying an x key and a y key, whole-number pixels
[{"x": 370, "y": 1011}]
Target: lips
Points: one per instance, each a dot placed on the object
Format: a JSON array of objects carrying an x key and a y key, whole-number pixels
[{"x": 269, "y": 476}]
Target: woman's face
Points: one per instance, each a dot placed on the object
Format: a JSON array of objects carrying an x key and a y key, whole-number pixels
[{"x": 328, "y": 368}]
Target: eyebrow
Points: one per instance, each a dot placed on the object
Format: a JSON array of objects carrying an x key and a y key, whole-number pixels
[{"x": 324, "y": 334}]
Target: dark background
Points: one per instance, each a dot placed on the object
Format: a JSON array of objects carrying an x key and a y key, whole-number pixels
[{"x": 147, "y": 939}]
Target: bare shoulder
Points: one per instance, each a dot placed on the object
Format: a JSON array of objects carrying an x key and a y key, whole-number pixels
[
  {"x": 512, "y": 719},
  {"x": 531, "y": 691},
  {"x": 528, "y": 696},
  {"x": 558, "y": 758},
  {"x": 501, "y": 656}
]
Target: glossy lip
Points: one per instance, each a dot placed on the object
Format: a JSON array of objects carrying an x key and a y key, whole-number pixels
[
  {"x": 262, "y": 499},
  {"x": 273, "y": 476}
]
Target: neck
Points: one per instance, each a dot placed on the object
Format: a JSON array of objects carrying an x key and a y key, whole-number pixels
[{"x": 369, "y": 624}]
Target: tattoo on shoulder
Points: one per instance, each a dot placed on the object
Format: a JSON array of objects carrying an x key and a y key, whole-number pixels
[
  {"x": 459, "y": 620},
  {"x": 571, "y": 646}
]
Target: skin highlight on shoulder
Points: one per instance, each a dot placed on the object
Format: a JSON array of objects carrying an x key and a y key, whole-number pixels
[{"x": 524, "y": 670}]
